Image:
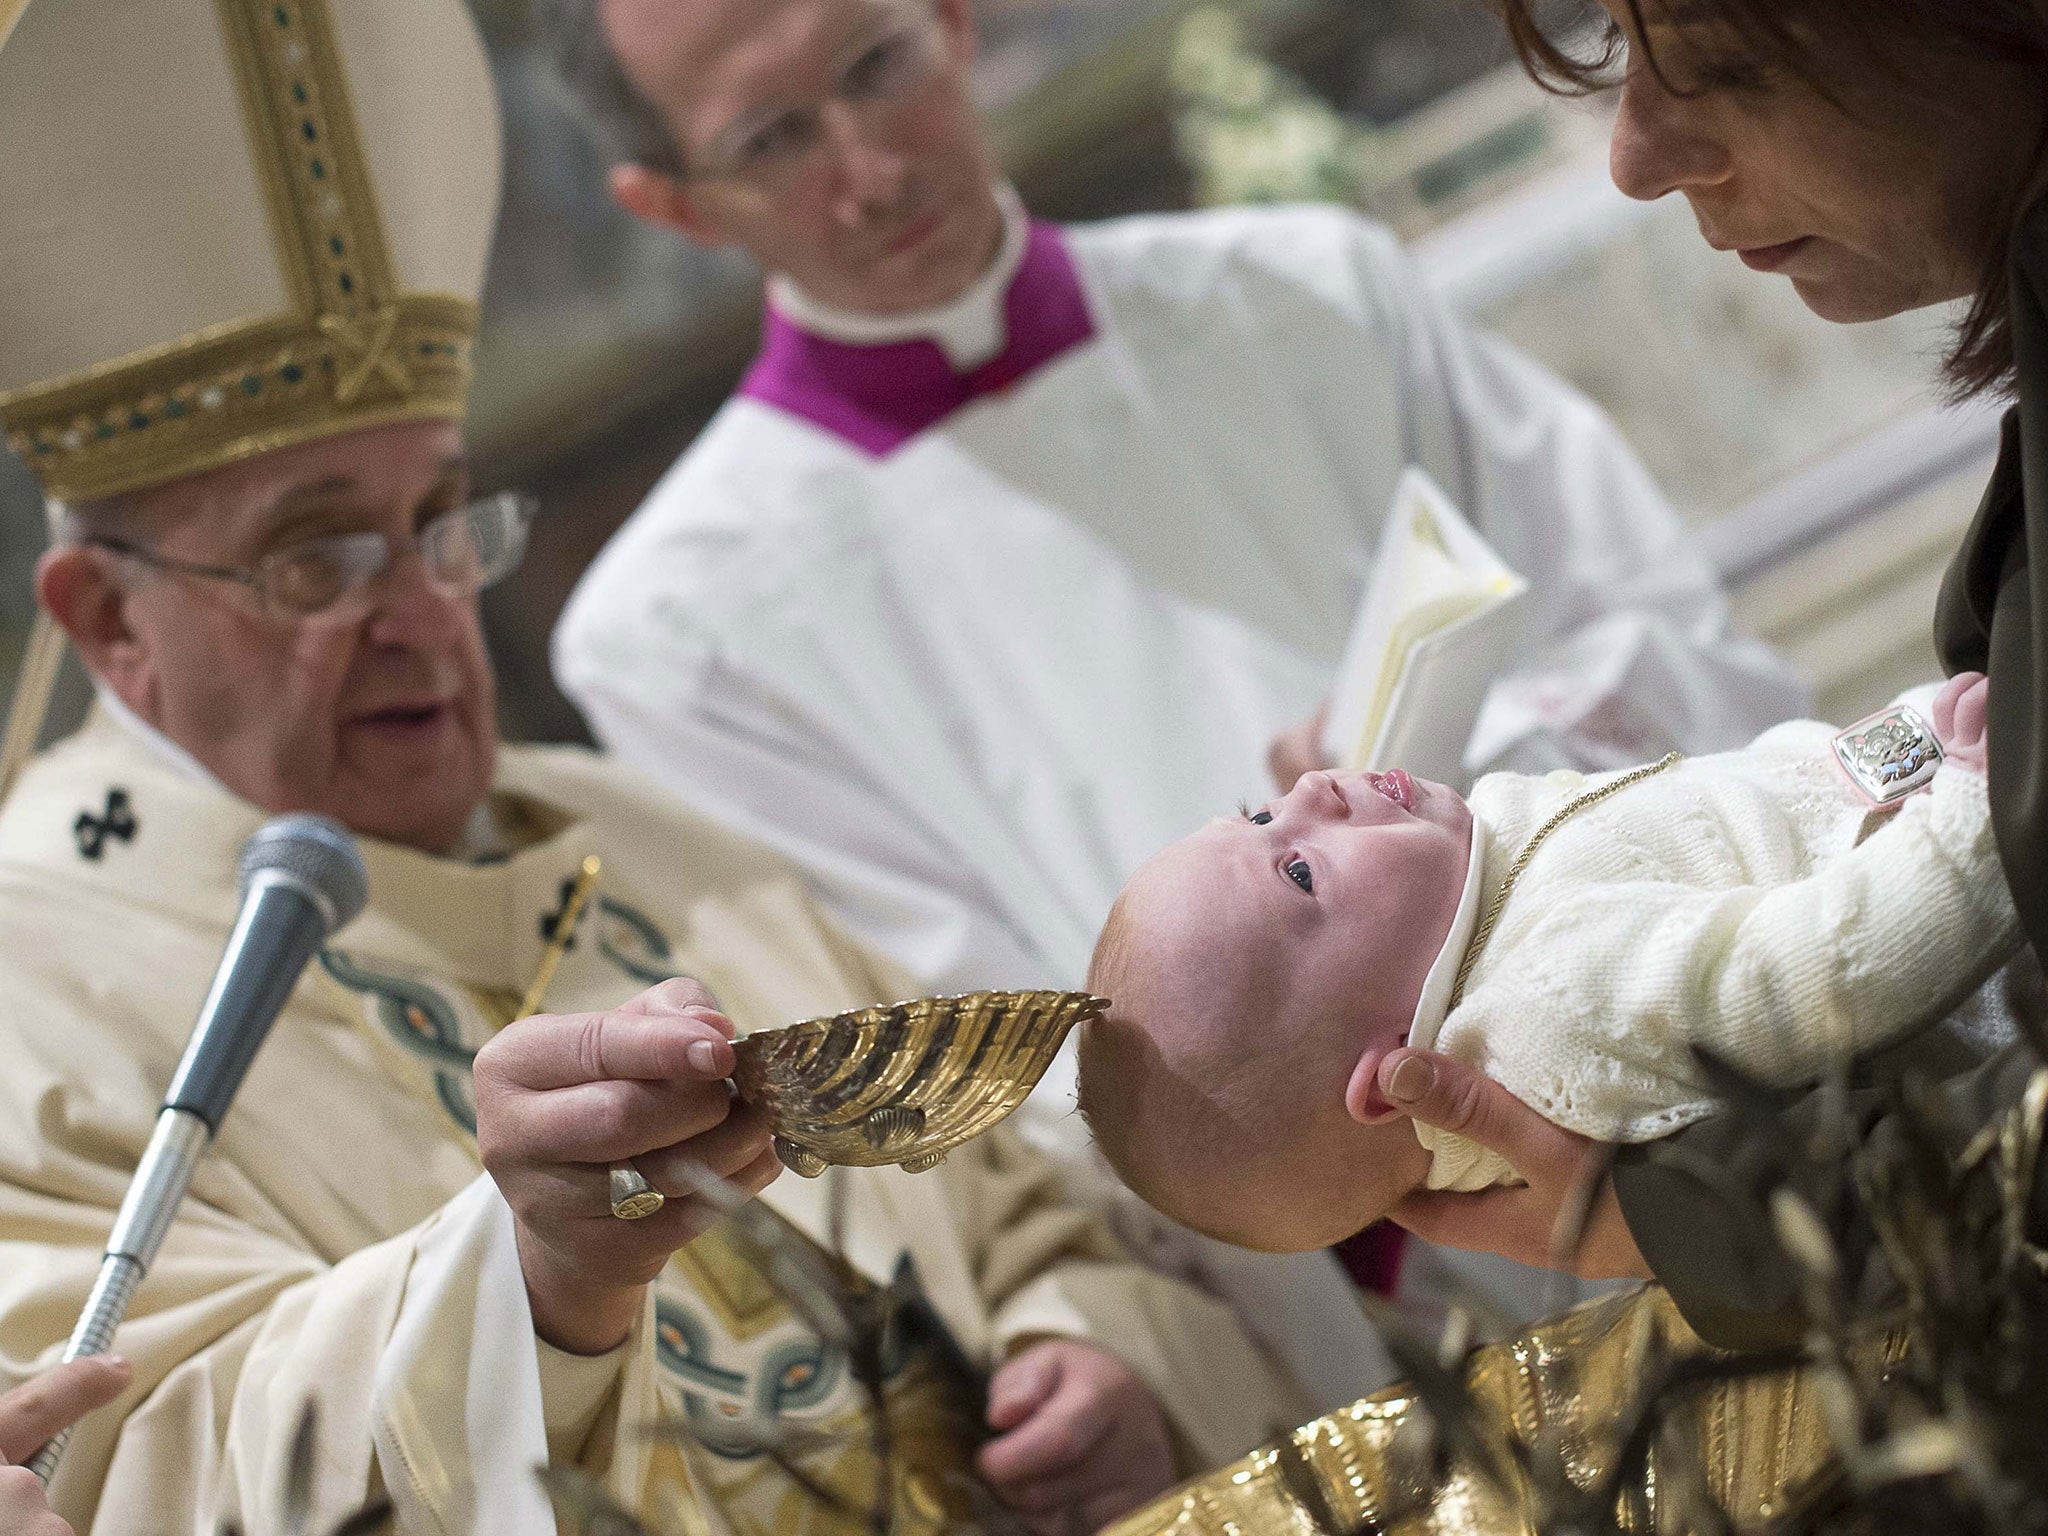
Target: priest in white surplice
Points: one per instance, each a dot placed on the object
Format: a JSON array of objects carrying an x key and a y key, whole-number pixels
[
  {"x": 266, "y": 553},
  {"x": 982, "y": 590},
  {"x": 1020, "y": 544}
]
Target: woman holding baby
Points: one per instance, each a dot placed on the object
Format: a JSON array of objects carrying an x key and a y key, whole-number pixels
[{"x": 1882, "y": 155}]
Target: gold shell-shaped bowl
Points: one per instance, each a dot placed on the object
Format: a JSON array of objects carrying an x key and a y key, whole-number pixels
[{"x": 905, "y": 1083}]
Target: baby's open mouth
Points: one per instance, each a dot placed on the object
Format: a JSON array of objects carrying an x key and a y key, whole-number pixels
[{"x": 1396, "y": 786}]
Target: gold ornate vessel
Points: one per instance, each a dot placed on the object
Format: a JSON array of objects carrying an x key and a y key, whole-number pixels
[
  {"x": 1558, "y": 1397},
  {"x": 903, "y": 1082}
]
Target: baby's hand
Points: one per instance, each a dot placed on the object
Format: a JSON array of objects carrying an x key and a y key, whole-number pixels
[{"x": 1959, "y": 719}]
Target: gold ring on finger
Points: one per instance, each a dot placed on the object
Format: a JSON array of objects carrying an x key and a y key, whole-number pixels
[{"x": 632, "y": 1196}]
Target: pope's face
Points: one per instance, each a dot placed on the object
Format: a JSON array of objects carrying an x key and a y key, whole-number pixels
[
  {"x": 1335, "y": 899},
  {"x": 834, "y": 139},
  {"x": 382, "y": 714},
  {"x": 1866, "y": 207}
]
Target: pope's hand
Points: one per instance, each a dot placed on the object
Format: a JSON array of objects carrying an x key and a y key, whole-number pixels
[
  {"x": 1517, "y": 1222},
  {"x": 1080, "y": 1439},
  {"x": 561, "y": 1097},
  {"x": 29, "y": 1416},
  {"x": 1298, "y": 751}
]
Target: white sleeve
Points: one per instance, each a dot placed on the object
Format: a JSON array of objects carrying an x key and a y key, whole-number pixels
[
  {"x": 1592, "y": 1024},
  {"x": 573, "y": 1392},
  {"x": 757, "y": 764},
  {"x": 1879, "y": 941},
  {"x": 411, "y": 1349},
  {"x": 1630, "y": 652}
]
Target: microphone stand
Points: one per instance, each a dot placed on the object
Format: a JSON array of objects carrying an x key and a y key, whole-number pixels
[
  {"x": 152, "y": 1201},
  {"x": 196, "y": 1101}
]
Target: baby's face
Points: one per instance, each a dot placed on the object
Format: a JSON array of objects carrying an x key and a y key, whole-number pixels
[
  {"x": 1269, "y": 961},
  {"x": 1338, "y": 895}
]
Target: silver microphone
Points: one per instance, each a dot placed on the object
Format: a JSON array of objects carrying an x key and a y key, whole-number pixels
[{"x": 302, "y": 878}]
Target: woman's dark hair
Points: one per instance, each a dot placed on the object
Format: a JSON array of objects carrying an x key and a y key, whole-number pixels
[{"x": 1826, "y": 43}]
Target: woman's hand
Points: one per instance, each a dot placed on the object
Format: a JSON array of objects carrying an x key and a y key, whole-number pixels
[
  {"x": 1959, "y": 718},
  {"x": 29, "y": 1416},
  {"x": 1567, "y": 1192}
]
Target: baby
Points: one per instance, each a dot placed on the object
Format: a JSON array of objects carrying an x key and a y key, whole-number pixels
[{"x": 1757, "y": 902}]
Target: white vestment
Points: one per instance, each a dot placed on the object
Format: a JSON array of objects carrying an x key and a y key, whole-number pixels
[
  {"x": 340, "y": 1246},
  {"x": 971, "y": 681},
  {"x": 968, "y": 634},
  {"x": 1749, "y": 902}
]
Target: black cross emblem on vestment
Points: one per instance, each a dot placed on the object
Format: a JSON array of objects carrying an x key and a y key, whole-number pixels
[
  {"x": 551, "y": 922},
  {"x": 116, "y": 821}
]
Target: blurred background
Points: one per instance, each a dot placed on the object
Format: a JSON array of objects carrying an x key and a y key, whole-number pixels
[{"x": 1829, "y": 482}]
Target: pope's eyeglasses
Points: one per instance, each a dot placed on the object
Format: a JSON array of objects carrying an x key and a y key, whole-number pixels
[{"x": 463, "y": 551}]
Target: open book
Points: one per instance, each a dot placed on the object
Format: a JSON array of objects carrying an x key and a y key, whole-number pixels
[{"x": 1441, "y": 614}]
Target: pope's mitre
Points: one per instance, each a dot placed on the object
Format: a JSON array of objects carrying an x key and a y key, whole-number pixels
[{"x": 232, "y": 226}]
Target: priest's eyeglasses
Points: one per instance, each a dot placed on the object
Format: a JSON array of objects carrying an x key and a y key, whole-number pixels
[
  {"x": 770, "y": 149},
  {"x": 464, "y": 551}
]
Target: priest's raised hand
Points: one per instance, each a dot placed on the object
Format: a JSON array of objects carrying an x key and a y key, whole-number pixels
[
  {"x": 562, "y": 1097},
  {"x": 1299, "y": 750},
  {"x": 1079, "y": 1439}
]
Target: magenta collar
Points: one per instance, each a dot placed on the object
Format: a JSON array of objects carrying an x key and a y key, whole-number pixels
[{"x": 879, "y": 397}]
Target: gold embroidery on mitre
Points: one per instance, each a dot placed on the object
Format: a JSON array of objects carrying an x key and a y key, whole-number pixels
[{"x": 352, "y": 352}]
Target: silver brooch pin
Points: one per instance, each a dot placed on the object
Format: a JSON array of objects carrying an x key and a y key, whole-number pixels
[{"x": 1890, "y": 754}]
